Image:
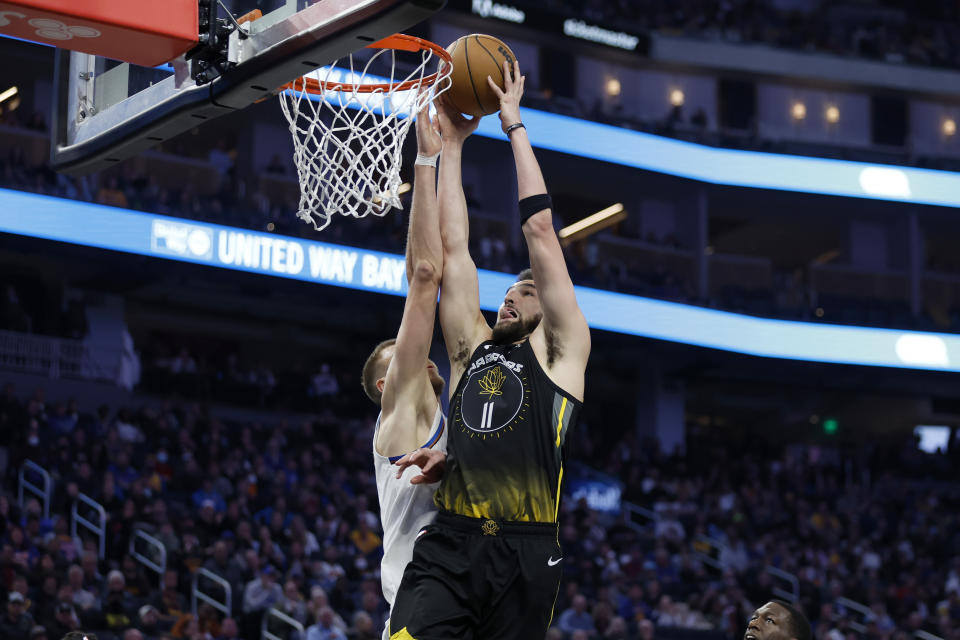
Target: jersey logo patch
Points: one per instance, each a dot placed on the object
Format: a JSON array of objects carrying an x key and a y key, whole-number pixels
[
  {"x": 493, "y": 398},
  {"x": 490, "y": 528},
  {"x": 491, "y": 384}
]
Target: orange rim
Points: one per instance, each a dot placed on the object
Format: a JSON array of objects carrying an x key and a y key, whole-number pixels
[{"x": 398, "y": 41}]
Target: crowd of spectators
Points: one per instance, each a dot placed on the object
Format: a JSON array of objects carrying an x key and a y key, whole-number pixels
[
  {"x": 876, "y": 524},
  {"x": 287, "y": 515},
  {"x": 923, "y": 33}
]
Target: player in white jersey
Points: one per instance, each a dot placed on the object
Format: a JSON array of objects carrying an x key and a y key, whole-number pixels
[
  {"x": 400, "y": 377},
  {"x": 405, "y": 508}
]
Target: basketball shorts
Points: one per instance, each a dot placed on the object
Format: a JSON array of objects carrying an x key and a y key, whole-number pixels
[{"x": 475, "y": 579}]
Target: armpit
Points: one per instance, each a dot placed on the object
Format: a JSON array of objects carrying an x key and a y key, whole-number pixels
[
  {"x": 462, "y": 352},
  {"x": 554, "y": 347}
]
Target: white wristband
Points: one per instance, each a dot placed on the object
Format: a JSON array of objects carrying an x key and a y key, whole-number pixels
[{"x": 427, "y": 161}]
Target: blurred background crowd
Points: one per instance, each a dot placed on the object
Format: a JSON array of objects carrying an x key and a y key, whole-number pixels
[{"x": 286, "y": 514}]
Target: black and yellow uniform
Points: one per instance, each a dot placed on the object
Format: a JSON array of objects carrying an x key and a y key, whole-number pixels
[
  {"x": 489, "y": 567},
  {"x": 507, "y": 428}
]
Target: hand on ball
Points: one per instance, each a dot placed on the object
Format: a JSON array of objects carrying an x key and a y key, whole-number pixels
[
  {"x": 454, "y": 126},
  {"x": 509, "y": 96},
  {"x": 428, "y": 133}
]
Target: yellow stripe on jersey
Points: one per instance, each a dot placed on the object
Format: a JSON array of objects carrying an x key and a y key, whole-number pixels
[
  {"x": 563, "y": 407},
  {"x": 403, "y": 634},
  {"x": 556, "y": 509}
]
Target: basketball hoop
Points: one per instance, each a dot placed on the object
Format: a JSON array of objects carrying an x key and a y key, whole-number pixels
[{"x": 348, "y": 128}]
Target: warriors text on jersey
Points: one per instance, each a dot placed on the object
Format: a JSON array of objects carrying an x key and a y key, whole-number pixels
[
  {"x": 404, "y": 508},
  {"x": 508, "y": 422}
]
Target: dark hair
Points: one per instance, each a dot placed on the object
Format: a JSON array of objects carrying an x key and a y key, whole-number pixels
[
  {"x": 798, "y": 625},
  {"x": 526, "y": 274},
  {"x": 373, "y": 370}
]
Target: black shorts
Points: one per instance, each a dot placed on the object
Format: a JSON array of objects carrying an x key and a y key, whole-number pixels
[{"x": 477, "y": 579}]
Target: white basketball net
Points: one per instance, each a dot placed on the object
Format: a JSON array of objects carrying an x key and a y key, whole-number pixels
[{"x": 347, "y": 144}]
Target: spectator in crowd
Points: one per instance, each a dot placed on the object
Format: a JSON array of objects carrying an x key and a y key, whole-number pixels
[
  {"x": 16, "y": 623},
  {"x": 84, "y": 599},
  {"x": 149, "y": 621},
  {"x": 225, "y": 567},
  {"x": 65, "y": 621},
  {"x": 171, "y": 604},
  {"x": 293, "y": 603},
  {"x": 324, "y": 383},
  {"x": 261, "y": 593},
  {"x": 362, "y": 628},
  {"x": 92, "y": 579},
  {"x": 646, "y": 630},
  {"x": 325, "y": 629},
  {"x": 119, "y": 607},
  {"x": 363, "y": 537},
  {"x": 576, "y": 617},
  {"x": 228, "y": 630}
]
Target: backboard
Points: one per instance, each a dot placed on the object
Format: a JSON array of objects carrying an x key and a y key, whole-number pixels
[{"x": 106, "y": 110}]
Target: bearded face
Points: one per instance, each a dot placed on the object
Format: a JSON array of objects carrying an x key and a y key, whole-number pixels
[
  {"x": 519, "y": 314},
  {"x": 513, "y": 331}
]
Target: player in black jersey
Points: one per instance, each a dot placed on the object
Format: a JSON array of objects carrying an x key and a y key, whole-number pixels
[{"x": 489, "y": 567}]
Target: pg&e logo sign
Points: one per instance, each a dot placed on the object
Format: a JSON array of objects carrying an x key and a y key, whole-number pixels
[
  {"x": 49, "y": 29},
  {"x": 181, "y": 240}
]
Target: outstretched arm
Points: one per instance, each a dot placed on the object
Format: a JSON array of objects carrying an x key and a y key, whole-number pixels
[
  {"x": 406, "y": 384},
  {"x": 565, "y": 328},
  {"x": 423, "y": 231},
  {"x": 464, "y": 327}
]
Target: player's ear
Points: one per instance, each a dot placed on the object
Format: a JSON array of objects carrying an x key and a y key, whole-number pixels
[{"x": 380, "y": 382}]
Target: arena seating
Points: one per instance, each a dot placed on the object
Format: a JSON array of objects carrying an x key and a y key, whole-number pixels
[{"x": 287, "y": 517}]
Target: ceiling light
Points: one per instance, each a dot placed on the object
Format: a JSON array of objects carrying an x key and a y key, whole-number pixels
[
  {"x": 612, "y": 87},
  {"x": 592, "y": 224},
  {"x": 9, "y": 93}
]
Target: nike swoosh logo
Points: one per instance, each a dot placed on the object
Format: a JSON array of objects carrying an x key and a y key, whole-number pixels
[{"x": 552, "y": 563}]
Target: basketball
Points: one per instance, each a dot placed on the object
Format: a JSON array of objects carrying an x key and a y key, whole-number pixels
[{"x": 474, "y": 58}]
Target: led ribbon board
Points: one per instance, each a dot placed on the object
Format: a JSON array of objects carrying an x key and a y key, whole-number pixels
[
  {"x": 714, "y": 165},
  {"x": 93, "y": 225},
  {"x": 734, "y": 167}
]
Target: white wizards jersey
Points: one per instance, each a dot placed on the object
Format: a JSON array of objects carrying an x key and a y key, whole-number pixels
[{"x": 404, "y": 508}]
